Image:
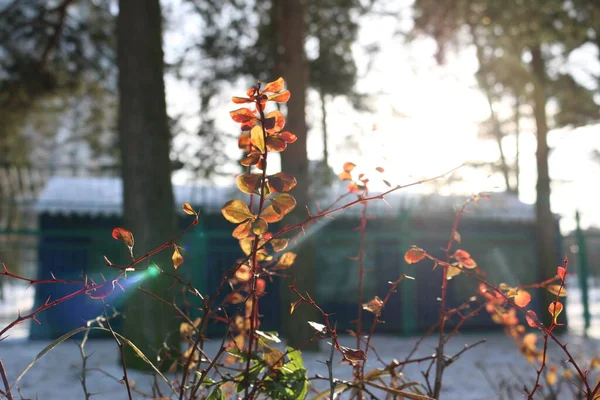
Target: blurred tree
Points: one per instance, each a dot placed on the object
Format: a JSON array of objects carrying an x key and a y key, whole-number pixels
[
  {"x": 528, "y": 37},
  {"x": 309, "y": 45},
  {"x": 144, "y": 140},
  {"x": 56, "y": 73}
]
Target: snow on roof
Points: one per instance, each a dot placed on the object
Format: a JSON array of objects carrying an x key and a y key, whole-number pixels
[{"x": 93, "y": 196}]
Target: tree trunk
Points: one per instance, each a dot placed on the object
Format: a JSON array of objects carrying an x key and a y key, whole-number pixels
[
  {"x": 325, "y": 171},
  {"x": 290, "y": 29},
  {"x": 546, "y": 227},
  {"x": 517, "y": 143},
  {"x": 144, "y": 140}
]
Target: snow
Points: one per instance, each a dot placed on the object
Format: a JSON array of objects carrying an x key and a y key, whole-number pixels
[
  {"x": 95, "y": 196},
  {"x": 56, "y": 375}
]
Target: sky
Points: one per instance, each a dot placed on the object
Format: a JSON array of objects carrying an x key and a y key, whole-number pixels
[{"x": 425, "y": 121}]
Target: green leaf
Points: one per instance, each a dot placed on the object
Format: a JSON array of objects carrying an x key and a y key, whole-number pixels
[{"x": 216, "y": 394}]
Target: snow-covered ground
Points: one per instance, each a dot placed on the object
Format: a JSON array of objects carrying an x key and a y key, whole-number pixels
[{"x": 57, "y": 374}]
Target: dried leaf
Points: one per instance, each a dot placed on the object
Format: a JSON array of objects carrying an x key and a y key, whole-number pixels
[
  {"x": 177, "y": 258},
  {"x": 286, "y": 261},
  {"x": 414, "y": 255},
  {"x": 270, "y": 215},
  {"x": 456, "y": 237},
  {"x": 259, "y": 226},
  {"x": 282, "y": 182},
  {"x": 320, "y": 328},
  {"x": 273, "y": 357},
  {"x": 236, "y": 211},
  {"x": 554, "y": 289},
  {"x": 375, "y": 306},
  {"x": 354, "y": 356},
  {"x": 123, "y": 235},
  {"x": 249, "y": 183},
  {"x": 279, "y": 244},
  {"x": 294, "y": 305},
  {"x": 283, "y": 203},
  {"x": 188, "y": 209}
]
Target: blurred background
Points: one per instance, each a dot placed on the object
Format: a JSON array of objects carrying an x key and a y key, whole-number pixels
[{"x": 511, "y": 88}]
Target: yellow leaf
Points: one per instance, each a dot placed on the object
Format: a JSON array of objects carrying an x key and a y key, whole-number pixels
[
  {"x": 187, "y": 208},
  {"x": 177, "y": 258},
  {"x": 452, "y": 272},
  {"x": 236, "y": 211},
  {"x": 279, "y": 244},
  {"x": 257, "y": 138},
  {"x": 554, "y": 289},
  {"x": 286, "y": 261}
]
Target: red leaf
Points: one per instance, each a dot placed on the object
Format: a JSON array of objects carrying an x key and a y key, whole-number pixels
[
  {"x": 531, "y": 319},
  {"x": 288, "y": 137},
  {"x": 414, "y": 255},
  {"x": 241, "y": 100},
  {"x": 274, "y": 121},
  {"x": 242, "y": 115},
  {"x": 380, "y": 169},
  {"x": 249, "y": 183},
  {"x": 561, "y": 272},
  {"x": 124, "y": 235},
  {"x": 275, "y": 144}
]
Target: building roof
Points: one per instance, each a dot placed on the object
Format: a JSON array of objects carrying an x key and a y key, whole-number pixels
[{"x": 94, "y": 196}]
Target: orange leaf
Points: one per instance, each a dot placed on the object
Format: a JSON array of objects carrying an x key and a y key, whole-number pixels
[
  {"x": 294, "y": 305},
  {"x": 275, "y": 86},
  {"x": 260, "y": 287},
  {"x": 270, "y": 215},
  {"x": 249, "y": 183},
  {"x": 461, "y": 255},
  {"x": 522, "y": 298},
  {"x": 250, "y": 159},
  {"x": 236, "y": 211},
  {"x": 283, "y": 203},
  {"x": 561, "y": 272},
  {"x": 188, "y": 209},
  {"x": 244, "y": 141},
  {"x": 241, "y": 100},
  {"x": 288, "y": 137},
  {"x": 243, "y": 273},
  {"x": 468, "y": 263},
  {"x": 555, "y": 308},
  {"x": 348, "y": 166},
  {"x": 242, "y": 115},
  {"x": 257, "y": 138},
  {"x": 345, "y": 176},
  {"x": 282, "y": 182},
  {"x": 414, "y": 255},
  {"x": 285, "y": 262},
  {"x": 177, "y": 258},
  {"x": 280, "y": 97},
  {"x": 274, "y": 121},
  {"x": 124, "y": 235},
  {"x": 242, "y": 230}
]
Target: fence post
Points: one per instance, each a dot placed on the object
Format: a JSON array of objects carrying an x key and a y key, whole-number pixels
[
  {"x": 583, "y": 272},
  {"x": 407, "y": 289}
]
